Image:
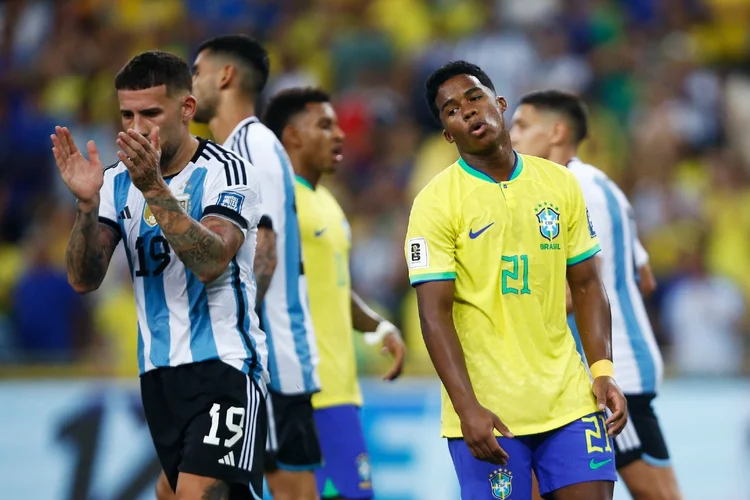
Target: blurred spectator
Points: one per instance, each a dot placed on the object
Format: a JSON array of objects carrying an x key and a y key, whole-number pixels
[{"x": 52, "y": 321}]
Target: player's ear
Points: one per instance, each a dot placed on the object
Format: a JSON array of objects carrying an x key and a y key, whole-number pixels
[
  {"x": 189, "y": 105},
  {"x": 559, "y": 133},
  {"x": 225, "y": 75},
  {"x": 290, "y": 137},
  {"x": 502, "y": 103},
  {"x": 448, "y": 136}
]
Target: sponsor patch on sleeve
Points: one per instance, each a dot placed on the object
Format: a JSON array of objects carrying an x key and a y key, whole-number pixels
[
  {"x": 418, "y": 253},
  {"x": 591, "y": 225},
  {"x": 231, "y": 200}
]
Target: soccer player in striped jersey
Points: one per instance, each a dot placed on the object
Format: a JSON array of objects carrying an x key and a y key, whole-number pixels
[
  {"x": 306, "y": 123},
  {"x": 186, "y": 210},
  {"x": 229, "y": 74},
  {"x": 551, "y": 124}
]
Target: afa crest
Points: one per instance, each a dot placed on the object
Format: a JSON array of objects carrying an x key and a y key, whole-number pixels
[
  {"x": 501, "y": 482},
  {"x": 549, "y": 220},
  {"x": 148, "y": 215}
]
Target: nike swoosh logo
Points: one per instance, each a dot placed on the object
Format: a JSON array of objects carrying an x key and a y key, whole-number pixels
[
  {"x": 473, "y": 235},
  {"x": 318, "y": 233},
  {"x": 596, "y": 465}
]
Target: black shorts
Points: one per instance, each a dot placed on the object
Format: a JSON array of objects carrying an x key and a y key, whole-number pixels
[
  {"x": 293, "y": 443},
  {"x": 641, "y": 439},
  {"x": 208, "y": 419}
]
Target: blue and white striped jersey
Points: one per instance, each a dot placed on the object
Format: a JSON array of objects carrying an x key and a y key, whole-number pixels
[
  {"x": 181, "y": 320},
  {"x": 285, "y": 311},
  {"x": 637, "y": 360}
]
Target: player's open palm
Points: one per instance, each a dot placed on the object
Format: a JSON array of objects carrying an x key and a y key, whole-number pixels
[
  {"x": 477, "y": 427},
  {"x": 83, "y": 177}
]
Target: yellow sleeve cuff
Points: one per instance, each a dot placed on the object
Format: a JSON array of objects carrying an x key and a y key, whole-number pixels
[{"x": 602, "y": 368}]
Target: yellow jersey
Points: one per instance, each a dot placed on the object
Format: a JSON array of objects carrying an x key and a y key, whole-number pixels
[
  {"x": 326, "y": 237},
  {"x": 507, "y": 246}
]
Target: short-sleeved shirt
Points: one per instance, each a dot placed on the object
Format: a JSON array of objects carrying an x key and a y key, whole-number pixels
[
  {"x": 180, "y": 319},
  {"x": 284, "y": 313},
  {"x": 508, "y": 245}
]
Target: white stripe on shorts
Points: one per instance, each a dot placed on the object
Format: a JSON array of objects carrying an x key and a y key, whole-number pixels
[
  {"x": 272, "y": 442},
  {"x": 248, "y": 444},
  {"x": 628, "y": 438}
]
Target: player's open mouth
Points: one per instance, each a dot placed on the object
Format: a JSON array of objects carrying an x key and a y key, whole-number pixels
[
  {"x": 477, "y": 128},
  {"x": 337, "y": 152}
]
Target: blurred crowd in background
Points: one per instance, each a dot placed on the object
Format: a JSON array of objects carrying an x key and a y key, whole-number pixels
[{"x": 667, "y": 83}]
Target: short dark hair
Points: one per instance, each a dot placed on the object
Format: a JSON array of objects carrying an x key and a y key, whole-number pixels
[
  {"x": 445, "y": 73},
  {"x": 570, "y": 106},
  {"x": 247, "y": 51},
  {"x": 153, "y": 69},
  {"x": 285, "y": 105}
]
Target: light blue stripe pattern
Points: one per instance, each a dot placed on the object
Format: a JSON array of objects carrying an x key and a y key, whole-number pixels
[
  {"x": 157, "y": 311},
  {"x": 243, "y": 314},
  {"x": 202, "y": 342},
  {"x": 293, "y": 257},
  {"x": 273, "y": 366},
  {"x": 656, "y": 462},
  {"x": 641, "y": 352}
]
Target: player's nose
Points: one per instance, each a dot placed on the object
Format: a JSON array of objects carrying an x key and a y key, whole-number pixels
[{"x": 470, "y": 112}]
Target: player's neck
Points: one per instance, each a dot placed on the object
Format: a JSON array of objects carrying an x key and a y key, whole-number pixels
[
  {"x": 499, "y": 165},
  {"x": 562, "y": 154},
  {"x": 181, "y": 158},
  {"x": 230, "y": 113},
  {"x": 303, "y": 170}
]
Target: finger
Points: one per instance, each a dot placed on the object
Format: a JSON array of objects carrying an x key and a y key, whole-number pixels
[
  {"x": 601, "y": 400},
  {"x": 127, "y": 150},
  {"x": 398, "y": 364},
  {"x": 615, "y": 428},
  {"x": 63, "y": 144},
  {"x": 57, "y": 145},
  {"x": 126, "y": 161},
  {"x": 93, "y": 152},
  {"x": 498, "y": 454},
  {"x": 133, "y": 144},
  {"x": 59, "y": 160},
  {"x": 155, "y": 138},
  {"x": 67, "y": 136},
  {"x": 501, "y": 427},
  {"x": 143, "y": 141}
]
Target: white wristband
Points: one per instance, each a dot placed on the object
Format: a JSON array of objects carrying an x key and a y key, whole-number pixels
[{"x": 383, "y": 329}]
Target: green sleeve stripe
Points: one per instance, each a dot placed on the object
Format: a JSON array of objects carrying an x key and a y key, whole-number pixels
[
  {"x": 423, "y": 278},
  {"x": 585, "y": 255}
]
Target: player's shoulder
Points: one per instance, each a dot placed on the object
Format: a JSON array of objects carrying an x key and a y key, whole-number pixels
[
  {"x": 546, "y": 169},
  {"x": 442, "y": 185},
  {"x": 586, "y": 172}
]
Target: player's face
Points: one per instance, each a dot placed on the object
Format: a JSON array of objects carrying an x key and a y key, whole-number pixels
[
  {"x": 321, "y": 138},
  {"x": 205, "y": 87},
  {"x": 531, "y": 132},
  {"x": 471, "y": 114},
  {"x": 142, "y": 110}
]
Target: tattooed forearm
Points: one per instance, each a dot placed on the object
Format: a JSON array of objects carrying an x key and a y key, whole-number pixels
[
  {"x": 200, "y": 248},
  {"x": 216, "y": 491},
  {"x": 89, "y": 250},
  {"x": 265, "y": 261},
  {"x": 364, "y": 319}
]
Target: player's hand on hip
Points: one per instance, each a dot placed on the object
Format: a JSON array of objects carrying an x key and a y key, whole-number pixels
[
  {"x": 477, "y": 427},
  {"x": 141, "y": 155},
  {"x": 609, "y": 395},
  {"x": 83, "y": 177},
  {"x": 394, "y": 345}
]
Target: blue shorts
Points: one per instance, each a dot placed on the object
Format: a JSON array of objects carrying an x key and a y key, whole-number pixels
[
  {"x": 346, "y": 464},
  {"x": 576, "y": 453}
]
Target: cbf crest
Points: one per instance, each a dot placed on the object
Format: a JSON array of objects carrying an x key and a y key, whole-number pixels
[
  {"x": 549, "y": 220},
  {"x": 501, "y": 481}
]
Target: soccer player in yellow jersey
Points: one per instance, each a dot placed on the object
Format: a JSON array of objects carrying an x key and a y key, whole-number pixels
[
  {"x": 306, "y": 124},
  {"x": 490, "y": 243}
]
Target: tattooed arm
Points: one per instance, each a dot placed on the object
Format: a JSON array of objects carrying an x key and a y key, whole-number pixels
[
  {"x": 265, "y": 261},
  {"x": 90, "y": 249},
  {"x": 206, "y": 247}
]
